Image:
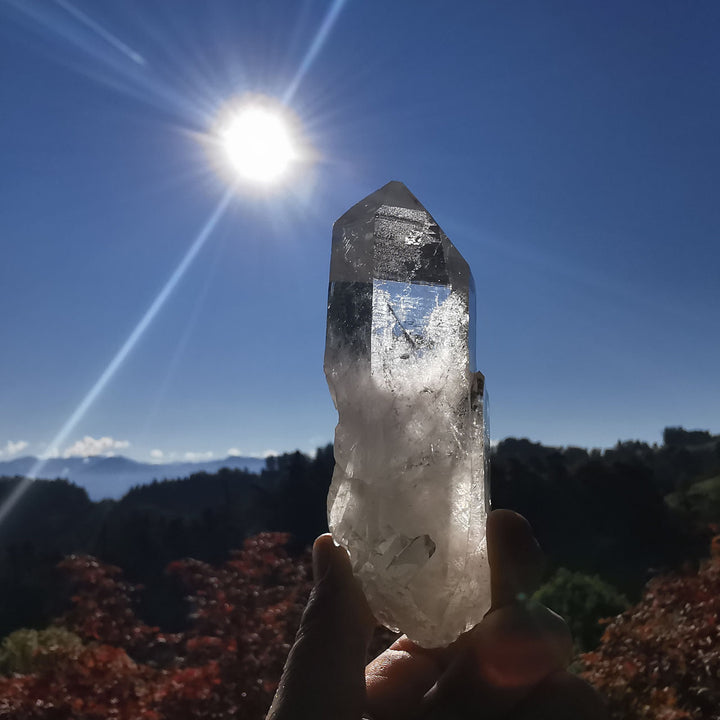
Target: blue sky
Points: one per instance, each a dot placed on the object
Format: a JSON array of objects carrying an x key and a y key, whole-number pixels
[{"x": 570, "y": 151}]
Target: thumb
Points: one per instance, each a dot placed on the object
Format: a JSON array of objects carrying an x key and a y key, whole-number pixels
[{"x": 324, "y": 677}]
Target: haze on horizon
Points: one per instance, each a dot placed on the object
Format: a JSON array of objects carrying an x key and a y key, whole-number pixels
[{"x": 569, "y": 151}]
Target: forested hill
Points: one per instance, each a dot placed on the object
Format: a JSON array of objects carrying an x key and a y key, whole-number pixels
[
  {"x": 622, "y": 513},
  {"x": 625, "y": 513},
  {"x": 112, "y": 476}
]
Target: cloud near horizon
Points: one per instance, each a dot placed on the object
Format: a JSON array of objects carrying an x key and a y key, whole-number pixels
[
  {"x": 236, "y": 452},
  {"x": 12, "y": 447},
  {"x": 194, "y": 456},
  {"x": 90, "y": 446}
]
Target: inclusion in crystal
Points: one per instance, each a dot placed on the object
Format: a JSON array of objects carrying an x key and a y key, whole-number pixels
[{"x": 409, "y": 496}]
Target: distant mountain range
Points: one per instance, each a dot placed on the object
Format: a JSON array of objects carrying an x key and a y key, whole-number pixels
[{"x": 111, "y": 477}]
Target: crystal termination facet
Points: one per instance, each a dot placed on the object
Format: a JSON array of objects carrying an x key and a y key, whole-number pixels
[{"x": 409, "y": 495}]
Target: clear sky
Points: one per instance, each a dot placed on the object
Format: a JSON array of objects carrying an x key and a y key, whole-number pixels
[{"x": 570, "y": 150}]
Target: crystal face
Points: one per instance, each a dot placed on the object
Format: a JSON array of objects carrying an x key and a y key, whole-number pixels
[{"x": 408, "y": 498}]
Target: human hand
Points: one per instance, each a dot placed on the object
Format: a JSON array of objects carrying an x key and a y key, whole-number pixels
[{"x": 509, "y": 667}]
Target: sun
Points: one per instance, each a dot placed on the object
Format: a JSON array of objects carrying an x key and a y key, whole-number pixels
[{"x": 258, "y": 142}]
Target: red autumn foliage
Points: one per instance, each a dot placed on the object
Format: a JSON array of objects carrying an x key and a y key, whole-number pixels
[
  {"x": 661, "y": 659},
  {"x": 97, "y": 682},
  {"x": 226, "y": 665},
  {"x": 102, "y": 608},
  {"x": 245, "y": 617}
]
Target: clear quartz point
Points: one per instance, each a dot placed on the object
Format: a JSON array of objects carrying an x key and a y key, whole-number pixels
[{"x": 409, "y": 496}]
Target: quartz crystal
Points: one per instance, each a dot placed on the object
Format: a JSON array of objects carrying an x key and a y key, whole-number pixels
[{"x": 408, "y": 498}]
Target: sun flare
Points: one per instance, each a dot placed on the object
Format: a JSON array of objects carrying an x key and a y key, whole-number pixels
[{"x": 258, "y": 143}]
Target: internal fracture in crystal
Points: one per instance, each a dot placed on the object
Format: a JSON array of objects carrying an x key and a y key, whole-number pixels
[{"x": 408, "y": 498}]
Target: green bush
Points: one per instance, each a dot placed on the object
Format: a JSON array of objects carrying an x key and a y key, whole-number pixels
[
  {"x": 27, "y": 651},
  {"x": 583, "y": 601}
]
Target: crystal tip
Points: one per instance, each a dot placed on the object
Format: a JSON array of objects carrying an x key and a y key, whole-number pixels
[{"x": 394, "y": 193}]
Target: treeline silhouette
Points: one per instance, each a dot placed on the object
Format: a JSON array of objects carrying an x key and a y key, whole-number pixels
[{"x": 622, "y": 514}]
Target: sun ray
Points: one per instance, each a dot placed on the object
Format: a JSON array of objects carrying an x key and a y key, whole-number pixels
[
  {"x": 102, "y": 32},
  {"x": 116, "y": 362},
  {"x": 316, "y": 46},
  {"x": 110, "y": 67}
]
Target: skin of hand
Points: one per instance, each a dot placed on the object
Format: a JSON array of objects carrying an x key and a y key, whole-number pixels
[{"x": 511, "y": 666}]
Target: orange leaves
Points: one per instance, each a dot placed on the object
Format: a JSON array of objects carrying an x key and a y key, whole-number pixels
[
  {"x": 225, "y": 665},
  {"x": 661, "y": 659},
  {"x": 101, "y": 682}
]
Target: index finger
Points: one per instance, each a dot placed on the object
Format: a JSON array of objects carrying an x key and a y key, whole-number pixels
[{"x": 516, "y": 561}]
